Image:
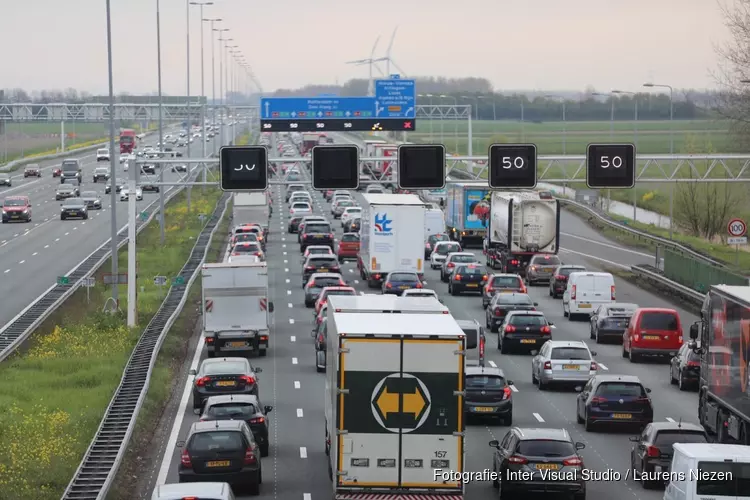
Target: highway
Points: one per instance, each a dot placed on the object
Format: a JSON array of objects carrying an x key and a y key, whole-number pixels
[
  {"x": 33, "y": 255},
  {"x": 296, "y": 467}
]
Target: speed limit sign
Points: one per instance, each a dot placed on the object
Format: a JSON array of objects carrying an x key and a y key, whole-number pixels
[{"x": 737, "y": 227}]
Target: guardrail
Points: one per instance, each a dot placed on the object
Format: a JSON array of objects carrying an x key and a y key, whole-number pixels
[
  {"x": 19, "y": 329},
  {"x": 99, "y": 466},
  {"x": 655, "y": 276}
]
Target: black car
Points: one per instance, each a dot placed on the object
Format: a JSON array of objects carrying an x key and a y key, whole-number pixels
[
  {"x": 609, "y": 321},
  {"x": 502, "y": 304},
  {"x": 92, "y": 200},
  {"x": 149, "y": 185},
  {"x": 467, "y": 278},
  {"x": 320, "y": 264},
  {"x": 614, "y": 400},
  {"x": 316, "y": 233},
  {"x": 179, "y": 168},
  {"x": 353, "y": 225},
  {"x": 652, "y": 449},
  {"x": 5, "y": 180},
  {"x": 543, "y": 460},
  {"x": 221, "y": 451},
  {"x": 101, "y": 173},
  {"x": 317, "y": 282},
  {"x": 685, "y": 368},
  {"x": 431, "y": 240},
  {"x": 501, "y": 283},
  {"x": 559, "y": 280},
  {"x": 293, "y": 225},
  {"x": 119, "y": 183},
  {"x": 488, "y": 393},
  {"x": 217, "y": 376},
  {"x": 398, "y": 281},
  {"x": 148, "y": 168},
  {"x": 241, "y": 407},
  {"x": 523, "y": 329},
  {"x": 73, "y": 208}
]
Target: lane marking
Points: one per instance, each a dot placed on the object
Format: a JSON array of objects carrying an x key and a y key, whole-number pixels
[
  {"x": 294, "y": 361},
  {"x": 513, "y": 388},
  {"x": 22, "y": 261},
  {"x": 302, "y": 452},
  {"x": 46, "y": 246},
  {"x": 286, "y": 261},
  {"x": 290, "y": 304},
  {"x": 602, "y": 366},
  {"x": 297, "y": 385},
  {"x": 306, "y": 496},
  {"x": 6, "y": 271},
  {"x": 286, "y": 269},
  {"x": 288, "y": 280},
  {"x": 616, "y": 264},
  {"x": 35, "y": 253},
  {"x": 284, "y": 245},
  {"x": 538, "y": 417},
  {"x": 288, "y": 292},
  {"x": 493, "y": 364},
  {"x": 300, "y": 414},
  {"x": 293, "y": 338},
  {"x": 670, "y": 419}
]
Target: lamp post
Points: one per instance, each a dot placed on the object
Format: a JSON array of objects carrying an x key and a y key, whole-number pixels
[
  {"x": 565, "y": 127},
  {"x": 476, "y": 101},
  {"x": 220, "y": 31},
  {"x": 635, "y": 141},
  {"x": 161, "y": 120},
  {"x": 494, "y": 109},
  {"x": 112, "y": 172},
  {"x": 429, "y": 96},
  {"x": 222, "y": 43},
  {"x": 203, "y": 96},
  {"x": 611, "y": 113},
  {"x": 213, "y": 80},
  {"x": 671, "y": 148},
  {"x": 455, "y": 120}
]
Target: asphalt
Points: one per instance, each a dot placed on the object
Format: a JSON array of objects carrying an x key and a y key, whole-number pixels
[
  {"x": 33, "y": 255},
  {"x": 296, "y": 467}
]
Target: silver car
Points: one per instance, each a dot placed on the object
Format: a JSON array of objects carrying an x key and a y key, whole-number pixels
[
  {"x": 452, "y": 260},
  {"x": 180, "y": 491},
  {"x": 563, "y": 362},
  {"x": 541, "y": 268},
  {"x": 337, "y": 209}
]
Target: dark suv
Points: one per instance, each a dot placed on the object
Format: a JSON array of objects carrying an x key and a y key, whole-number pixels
[
  {"x": 543, "y": 460},
  {"x": 559, "y": 281},
  {"x": 101, "y": 173},
  {"x": 32, "y": 170},
  {"x": 316, "y": 233}
]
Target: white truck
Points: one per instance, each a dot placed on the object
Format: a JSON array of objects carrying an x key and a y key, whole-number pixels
[
  {"x": 394, "y": 398},
  {"x": 521, "y": 225},
  {"x": 236, "y": 309},
  {"x": 251, "y": 207},
  {"x": 389, "y": 236}
]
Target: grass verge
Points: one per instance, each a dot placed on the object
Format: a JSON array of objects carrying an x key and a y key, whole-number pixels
[
  {"x": 141, "y": 457},
  {"x": 55, "y": 392}
]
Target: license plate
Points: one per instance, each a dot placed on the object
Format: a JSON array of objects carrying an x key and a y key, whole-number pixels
[
  {"x": 584, "y": 306},
  {"x": 571, "y": 367},
  {"x": 226, "y": 383},
  {"x": 403, "y": 287},
  {"x": 547, "y": 269},
  {"x": 622, "y": 416},
  {"x": 238, "y": 343},
  {"x": 483, "y": 409},
  {"x": 472, "y": 285},
  {"x": 528, "y": 341},
  {"x": 323, "y": 270},
  {"x": 318, "y": 236},
  {"x": 218, "y": 463},
  {"x": 72, "y": 212},
  {"x": 547, "y": 466},
  {"x": 506, "y": 291},
  {"x": 651, "y": 337}
]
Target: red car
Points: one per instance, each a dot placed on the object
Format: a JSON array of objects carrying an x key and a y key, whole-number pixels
[
  {"x": 332, "y": 290},
  {"x": 56, "y": 172},
  {"x": 16, "y": 208},
  {"x": 348, "y": 247},
  {"x": 652, "y": 332}
]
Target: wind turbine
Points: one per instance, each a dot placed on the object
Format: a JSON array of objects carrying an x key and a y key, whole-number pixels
[
  {"x": 388, "y": 59},
  {"x": 370, "y": 62}
]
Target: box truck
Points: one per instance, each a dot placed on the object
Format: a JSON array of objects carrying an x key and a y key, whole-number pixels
[
  {"x": 394, "y": 399},
  {"x": 251, "y": 208},
  {"x": 521, "y": 225},
  {"x": 467, "y": 209},
  {"x": 390, "y": 238},
  {"x": 236, "y": 309}
]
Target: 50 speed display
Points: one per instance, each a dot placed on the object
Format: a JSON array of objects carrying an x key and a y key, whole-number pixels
[
  {"x": 512, "y": 166},
  {"x": 610, "y": 166}
]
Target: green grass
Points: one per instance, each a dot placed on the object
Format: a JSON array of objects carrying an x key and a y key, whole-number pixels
[
  {"x": 48, "y": 128},
  {"x": 54, "y": 394}
]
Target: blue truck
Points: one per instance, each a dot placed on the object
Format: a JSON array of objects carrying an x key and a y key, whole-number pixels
[{"x": 467, "y": 212}]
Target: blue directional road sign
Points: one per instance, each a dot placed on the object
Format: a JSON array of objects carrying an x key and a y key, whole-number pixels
[{"x": 395, "y": 98}]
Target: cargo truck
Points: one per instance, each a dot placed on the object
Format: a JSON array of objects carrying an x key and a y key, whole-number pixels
[
  {"x": 521, "y": 225},
  {"x": 367, "y": 151},
  {"x": 722, "y": 338},
  {"x": 394, "y": 399},
  {"x": 251, "y": 207},
  {"x": 467, "y": 210},
  {"x": 309, "y": 141},
  {"x": 236, "y": 309},
  {"x": 391, "y": 238},
  {"x": 127, "y": 141}
]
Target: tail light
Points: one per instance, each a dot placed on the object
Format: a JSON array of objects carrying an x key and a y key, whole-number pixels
[
  {"x": 510, "y": 329},
  {"x": 257, "y": 420},
  {"x": 427, "y": 245},
  {"x": 377, "y": 276},
  {"x": 517, "y": 460},
  {"x": 546, "y": 330},
  {"x": 235, "y": 253},
  {"x": 598, "y": 400},
  {"x": 573, "y": 292},
  {"x": 418, "y": 285},
  {"x": 388, "y": 285},
  {"x": 560, "y": 277},
  {"x": 694, "y": 364},
  {"x": 636, "y": 338},
  {"x": 506, "y": 393},
  {"x": 489, "y": 289},
  {"x": 330, "y": 235},
  {"x": 514, "y": 262},
  {"x": 249, "y": 457},
  {"x": 306, "y": 236},
  {"x": 320, "y": 338},
  {"x": 310, "y": 268},
  {"x": 450, "y": 265},
  {"x": 547, "y": 365},
  {"x": 612, "y": 292},
  {"x": 258, "y": 254},
  {"x": 484, "y": 278},
  {"x": 523, "y": 288},
  {"x": 209, "y": 340},
  {"x": 653, "y": 451},
  {"x": 593, "y": 367},
  {"x": 481, "y": 347},
  {"x": 458, "y": 277},
  {"x": 573, "y": 462},
  {"x": 497, "y": 312},
  {"x": 201, "y": 382},
  {"x": 185, "y": 459},
  {"x": 642, "y": 399},
  {"x": 247, "y": 379}
]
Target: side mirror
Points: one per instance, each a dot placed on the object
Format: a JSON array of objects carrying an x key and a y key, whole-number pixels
[
  {"x": 534, "y": 352},
  {"x": 550, "y": 323},
  {"x": 193, "y": 372},
  {"x": 494, "y": 443},
  {"x": 579, "y": 388},
  {"x": 510, "y": 382},
  {"x": 268, "y": 409},
  {"x": 270, "y": 307},
  {"x": 257, "y": 370},
  {"x": 593, "y": 353},
  {"x": 536, "y": 304},
  {"x": 694, "y": 331},
  {"x": 648, "y": 391},
  {"x": 580, "y": 446},
  {"x": 180, "y": 444},
  {"x": 634, "y": 439}
]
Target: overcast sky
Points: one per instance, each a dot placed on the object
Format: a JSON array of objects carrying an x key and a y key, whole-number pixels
[{"x": 516, "y": 44}]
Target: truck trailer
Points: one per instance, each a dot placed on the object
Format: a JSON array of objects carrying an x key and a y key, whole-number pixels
[
  {"x": 251, "y": 208},
  {"x": 722, "y": 338},
  {"x": 391, "y": 236},
  {"x": 467, "y": 210},
  {"x": 521, "y": 225},
  {"x": 309, "y": 141},
  {"x": 236, "y": 309},
  {"x": 394, "y": 399}
]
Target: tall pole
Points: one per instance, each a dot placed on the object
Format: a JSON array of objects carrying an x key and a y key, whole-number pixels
[
  {"x": 671, "y": 149},
  {"x": 112, "y": 160},
  {"x": 190, "y": 118},
  {"x": 203, "y": 95},
  {"x": 213, "y": 83},
  {"x": 612, "y": 118},
  {"x": 161, "y": 122},
  {"x": 635, "y": 141}
]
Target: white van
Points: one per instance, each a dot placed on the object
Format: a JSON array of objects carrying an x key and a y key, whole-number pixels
[
  {"x": 434, "y": 222},
  {"x": 181, "y": 491},
  {"x": 102, "y": 154},
  {"x": 709, "y": 470},
  {"x": 586, "y": 291}
]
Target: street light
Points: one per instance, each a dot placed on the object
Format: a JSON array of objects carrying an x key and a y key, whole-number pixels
[
  {"x": 161, "y": 121},
  {"x": 565, "y": 127},
  {"x": 430, "y": 96},
  {"x": 221, "y": 31},
  {"x": 611, "y": 113},
  {"x": 494, "y": 110},
  {"x": 671, "y": 148},
  {"x": 203, "y": 95},
  {"x": 635, "y": 141},
  {"x": 112, "y": 172},
  {"x": 476, "y": 100},
  {"x": 455, "y": 120},
  {"x": 213, "y": 80}
]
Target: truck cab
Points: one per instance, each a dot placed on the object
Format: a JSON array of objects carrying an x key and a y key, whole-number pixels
[{"x": 71, "y": 169}]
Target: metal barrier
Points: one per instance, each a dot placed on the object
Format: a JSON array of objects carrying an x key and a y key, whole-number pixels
[
  {"x": 99, "y": 466},
  {"x": 698, "y": 275},
  {"x": 654, "y": 276}
]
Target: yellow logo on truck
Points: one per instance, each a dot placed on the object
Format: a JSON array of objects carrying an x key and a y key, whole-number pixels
[{"x": 400, "y": 402}]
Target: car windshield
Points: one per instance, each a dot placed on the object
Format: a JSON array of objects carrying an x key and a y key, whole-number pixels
[
  {"x": 463, "y": 258},
  {"x": 506, "y": 282},
  {"x": 439, "y": 237},
  {"x": 619, "y": 389},
  {"x": 14, "y": 203},
  {"x": 545, "y": 448},
  {"x": 447, "y": 248},
  {"x": 301, "y": 206},
  {"x": 224, "y": 368},
  {"x": 546, "y": 260},
  {"x": 65, "y": 187},
  {"x": 314, "y": 227},
  {"x": 565, "y": 271},
  {"x": 659, "y": 321},
  {"x": 350, "y": 237},
  {"x": 73, "y": 202},
  {"x": 527, "y": 320},
  {"x": 722, "y": 479},
  {"x": 102, "y": 169},
  {"x": 507, "y": 298},
  {"x": 469, "y": 270},
  {"x": 4, "y": 176},
  {"x": 402, "y": 277},
  {"x": 88, "y": 194},
  {"x": 70, "y": 166},
  {"x": 324, "y": 282},
  {"x": 669, "y": 437},
  {"x": 344, "y": 203},
  {"x": 570, "y": 353},
  {"x": 232, "y": 410},
  {"x": 319, "y": 251},
  {"x": 322, "y": 262},
  {"x": 621, "y": 310},
  {"x": 246, "y": 247},
  {"x": 484, "y": 382},
  {"x": 246, "y": 237},
  {"x": 216, "y": 441}
]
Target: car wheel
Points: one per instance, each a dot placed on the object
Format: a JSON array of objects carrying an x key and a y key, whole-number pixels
[
  {"x": 579, "y": 419},
  {"x": 588, "y": 424},
  {"x": 503, "y": 347},
  {"x": 542, "y": 385},
  {"x": 565, "y": 313},
  {"x": 264, "y": 450},
  {"x": 672, "y": 380},
  {"x": 634, "y": 358},
  {"x": 591, "y": 332},
  {"x": 254, "y": 487},
  {"x": 681, "y": 382}
]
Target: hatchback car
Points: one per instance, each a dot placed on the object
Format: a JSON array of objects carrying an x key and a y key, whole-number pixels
[
  {"x": 93, "y": 202},
  {"x": 244, "y": 238},
  {"x": 398, "y": 281},
  {"x": 248, "y": 248},
  {"x": 338, "y": 207},
  {"x": 488, "y": 393},
  {"x": 615, "y": 400},
  {"x": 502, "y": 304},
  {"x": 501, "y": 283},
  {"x": 348, "y": 247},
  {"x": 222, "y": 450},
  {"x": 300, "y": 196},
  {"x": 685, "y": 368},
  {"x": 609, "y": 321},
  {"x": 527, "y": 330},
  {"x": 300, "y": 208},
  {"x": 544, "y": 460},
  {"x": 316, "y": 233},
  {"x": 332, "y": 290},
  {"x": 562, "y": 362},
  {"x": 353, "y": 226},
  {"x": 119, "y": 184},
  {"x": 74, "y": 208},
  {"x": 125, "y": 194},
  {"x": 218, "y": 376},
  {"x": 653, "y": 332},
  {"x": 541, "y": 268},
  {"x": 454, "y": 259},
  {"x": 440, "y": 252},
  {"x": 65, "y": 191},
  {"x": 16, "y": 208},
  {"x": 317, "y": 283},
  {"x": 467, "y": 278},
  {"x": 241, "y": 407},
  {"x": 305, "y": 220},
  {"x": 32, "y": 170},
  {"x": 350, "y": 213},
  {"x": 293, "y": 188},
  {"x": 431, "y": 241},
  {"x": 559, "y": 280},
  {"x": 198, "y": 491},
  {"x": 101, "y": 173},
  {"x": 5, "y": 180},
  {"x": 319, "y": 264},
  {"x": 293, "y": 225},
  {"x": 316, "y": 250}
]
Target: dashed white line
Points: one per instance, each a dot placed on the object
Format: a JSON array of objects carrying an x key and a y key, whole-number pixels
[
  {"x": 602, "y": 366},
  {"x": 46, "y": 246},
  {"x": 22, "y": 262},
  {"x": 300, "y": 414},
  {"x": 284, "y": 245},
  {"x": 286, "y": 261},
  {"x": 538, "y": 417},
  {"x": 286, "y": 269},
  {"x": 513, "y": 388},
  {"x": 302, "y": 452},
  {"x": 294, "y": 361},
  {"x": 67, "y": 234},
  {"x": 288, "y": 281},
  {"x": 297, "y": 385},
  {"x": 306, "y": 496},
  {"x": 492, "y": 364},
  {"x": 283, "y": 239},
  {"x": 356, "y": 282},
  {"x": 670, "y": 419},
  {"x": 291, "y": 305},
  {"x": 15, "y": 235},
  {"x": 6, "y": 271},
  {"x": 284, "y": 253},
  {"x": 293, "y": 338},
  {"x": 351, "y": 271},
  {"x": 291, "y": 321},
  {"x": 288, "y": 292},
  {"x": 57, "y": 239},
  {"x": 35, "y": 253}
]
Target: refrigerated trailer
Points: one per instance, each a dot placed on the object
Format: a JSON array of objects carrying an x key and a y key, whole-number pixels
[{"x": 394, "y": 398}]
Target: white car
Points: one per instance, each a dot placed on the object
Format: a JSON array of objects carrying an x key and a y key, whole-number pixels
[
  {"x": 303, "y": 195},
  {"x": 350, "y": 213},
  {"x": 102, "y": 154},
  {"x": 125, "y": 194},
  {"x": 441, "y": 251},
  {"x": 300, "y": 208},
  {"x": 420, "y": 292},
  {"x": 127, "y": 157}
]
